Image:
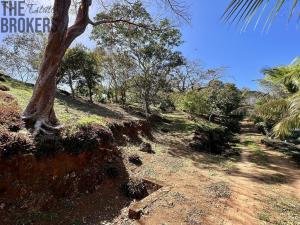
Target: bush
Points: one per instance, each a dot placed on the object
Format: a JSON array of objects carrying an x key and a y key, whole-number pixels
[
  {"x": 167, "y": 106},
  {"x": 233, "y": 124},
  {"x": 10, "y": 113},
  {"x": 87, "y": 137},
  {"x": 14, "y": 143},
  {"x": 135, "y": 159},
  {"x": 211, "y": 140},
  {"x": 136, "y": 189}
]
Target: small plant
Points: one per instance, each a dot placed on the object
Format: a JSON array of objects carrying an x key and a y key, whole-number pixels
[
  {"x": 219, "y": 190},
  {"x": 135, "y": 188},
  {"x": 135, "y": 159},
  {"x": 146, "y": 147},
  {"x": 264, "y": 216}
]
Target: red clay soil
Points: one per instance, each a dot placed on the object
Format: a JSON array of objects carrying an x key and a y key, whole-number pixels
[
  {"x": 261, "y": 186},
  {"x": 35, "y": 188},
  {"x": 204, "y": 189}
]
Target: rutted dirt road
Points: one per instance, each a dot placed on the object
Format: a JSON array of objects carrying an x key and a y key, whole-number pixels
[{"x": 261, "y": 186}]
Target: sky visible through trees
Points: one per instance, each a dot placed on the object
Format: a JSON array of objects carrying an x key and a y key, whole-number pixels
[{"x": 220, "y": 45}]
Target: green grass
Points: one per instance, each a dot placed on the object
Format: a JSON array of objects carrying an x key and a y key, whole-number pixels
[
  {"x": 68, "y": 111},
  {"x": 258, "y": 155},
  {"x": 181, "y": 123}
]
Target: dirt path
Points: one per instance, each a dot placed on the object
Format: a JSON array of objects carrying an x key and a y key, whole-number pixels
[{"x": 261, "y": 186}]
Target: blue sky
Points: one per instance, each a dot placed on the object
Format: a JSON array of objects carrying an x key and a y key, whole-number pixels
[
  {"x": 245, "y": 54},
  {"x": 216, "y": 44}
]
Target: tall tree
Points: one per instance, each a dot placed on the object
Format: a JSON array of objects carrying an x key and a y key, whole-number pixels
[
  {"x": 20, "y": 55},
  {"x": 90, "y": 74},
  {"x": 40, "y": 112},
  {"x": 71, "y": 66},
  {"x": 151, "y": 50},
  {"x": 119, "y": 69}
]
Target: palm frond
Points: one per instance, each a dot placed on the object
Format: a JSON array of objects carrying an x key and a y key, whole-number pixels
[
  {"x": 244, "y": 10},
  {"x": 291, "y": 122},
  {"x": 273, "y": 109}
]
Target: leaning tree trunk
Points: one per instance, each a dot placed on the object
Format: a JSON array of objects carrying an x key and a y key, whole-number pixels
[{"x": 40, "y": 112}]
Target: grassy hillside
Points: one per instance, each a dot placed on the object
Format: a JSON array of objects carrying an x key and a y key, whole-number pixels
[
  {"x": 70, "y": 111},
  {"x": 67, "y": 109}
]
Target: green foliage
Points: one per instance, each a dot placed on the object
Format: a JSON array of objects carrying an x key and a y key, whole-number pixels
[
  {"x": 216, "y": 99},
  {"x": 81, "y": 71},
  {"x": 150, "y": 48},
  {"x": 282, "y": 109},
  {"x": 193, "y": 102},
  {"x": 68, "y": 110},
  {"x": 21, "y": 54},
  {"x": 245, "y": 10}
]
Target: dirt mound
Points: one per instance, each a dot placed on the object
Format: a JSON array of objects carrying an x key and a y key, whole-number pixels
[
  {"x": 130, "y": 131},
  {"x": 10, "y": 113}
]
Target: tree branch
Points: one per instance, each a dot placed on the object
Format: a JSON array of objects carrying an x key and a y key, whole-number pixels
[
  {"x": 81, "y": 22},
  {"x": 101, "y": 22}
]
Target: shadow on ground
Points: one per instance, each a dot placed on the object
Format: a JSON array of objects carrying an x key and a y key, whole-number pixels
[{"x": 92, "y": 108}]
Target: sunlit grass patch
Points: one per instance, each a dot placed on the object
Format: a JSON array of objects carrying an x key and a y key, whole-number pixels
[{"x": 66, "y": 114}]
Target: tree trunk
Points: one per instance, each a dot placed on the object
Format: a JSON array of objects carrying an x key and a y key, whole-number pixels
[
  {"x": 40, "y": 112},
  {"x": 71, "y": 85},
  {"x": 123, "y": 97},
  {"x": 90, "y": 95},
  {"x": 147, "y": 107}
]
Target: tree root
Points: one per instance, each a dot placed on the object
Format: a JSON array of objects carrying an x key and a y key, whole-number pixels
[{"x": 41, "y": 126}]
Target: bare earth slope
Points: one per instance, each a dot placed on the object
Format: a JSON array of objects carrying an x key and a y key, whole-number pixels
[{"x": 261, "y": 186}]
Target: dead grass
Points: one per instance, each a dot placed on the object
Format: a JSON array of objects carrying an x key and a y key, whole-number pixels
[
  {"x": 281, "y": 210},
  {"x": 219, "y": 190}
]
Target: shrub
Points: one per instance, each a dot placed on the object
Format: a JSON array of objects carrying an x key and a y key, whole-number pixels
[
  {"x": 146, "y": 147},
  {"x": 219, "y": 190},
  {"x": 4, "y": 88},
  {"x": 87, "y": 138},
  {"x": 233, "y": 124},
  {"x": 14, "y": 143},
  {"x": 135, "y": 159},
  {"x": 211, "y": 140},
  {"x": 135, "y": 188},
  {"x": 10, "y": 113},
  {"x": 167, "y": 105}
]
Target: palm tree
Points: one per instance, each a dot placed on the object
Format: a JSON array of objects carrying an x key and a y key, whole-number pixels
[
  {"x": 245, "y": 10},
  {"x": 284, "y": 110},
  {"x": 285, "y": 80}
]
